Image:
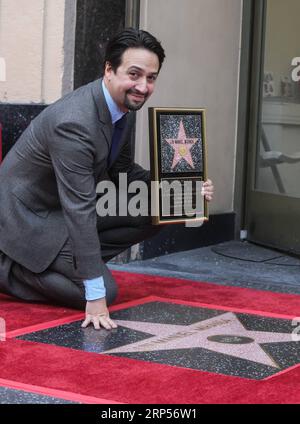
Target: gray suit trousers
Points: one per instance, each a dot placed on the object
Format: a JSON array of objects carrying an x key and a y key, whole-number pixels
[{"x": 58, "y": 283}]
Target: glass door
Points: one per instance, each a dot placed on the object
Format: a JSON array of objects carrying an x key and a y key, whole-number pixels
[{"x": 273, "y": 193}]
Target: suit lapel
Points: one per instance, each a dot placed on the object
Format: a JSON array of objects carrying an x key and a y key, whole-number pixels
[
  {"x": 105, "y": 117},
  {"x": 103, "y": 111}
]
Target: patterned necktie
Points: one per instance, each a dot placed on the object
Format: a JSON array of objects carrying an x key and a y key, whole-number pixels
[{"x": 116, "y": 138}]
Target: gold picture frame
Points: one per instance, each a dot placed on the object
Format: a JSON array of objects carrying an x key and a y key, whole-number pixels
[{"x": 178, "y": 158}]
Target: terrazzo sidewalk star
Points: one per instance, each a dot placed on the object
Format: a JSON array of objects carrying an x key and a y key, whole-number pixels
[
  {"x": 194, "y": 337},
  {"x": 205, "y": 343},
  {"x": 234, "y": 339}
]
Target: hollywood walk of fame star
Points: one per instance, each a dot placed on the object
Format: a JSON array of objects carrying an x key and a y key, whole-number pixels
[
  {"x": 182, "y": 146},
  {"x": 223, "y": 334}
]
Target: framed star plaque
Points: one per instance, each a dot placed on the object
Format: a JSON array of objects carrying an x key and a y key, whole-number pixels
[{"x": 178, "y": 165}]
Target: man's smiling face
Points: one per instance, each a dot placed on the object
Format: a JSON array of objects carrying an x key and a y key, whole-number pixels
[{"x": 134, "y": 80}]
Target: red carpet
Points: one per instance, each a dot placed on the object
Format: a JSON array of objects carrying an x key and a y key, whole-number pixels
[
  {"x": 122, "y": 380},
  {"x": 20, "y": 316}
]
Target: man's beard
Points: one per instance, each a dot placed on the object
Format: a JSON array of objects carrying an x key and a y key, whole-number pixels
[{"x": 130, "y": 105}]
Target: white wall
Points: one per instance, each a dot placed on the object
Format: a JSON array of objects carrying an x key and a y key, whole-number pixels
[
  {"x": 202, "y": 43},
  {"x": 32, "y": 46}
]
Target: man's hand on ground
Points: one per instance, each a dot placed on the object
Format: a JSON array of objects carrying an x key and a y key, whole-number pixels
[{"x": 96, "y": 312}]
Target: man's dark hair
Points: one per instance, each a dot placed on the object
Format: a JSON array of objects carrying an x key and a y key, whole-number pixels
[{"x": 132, "y": 38}]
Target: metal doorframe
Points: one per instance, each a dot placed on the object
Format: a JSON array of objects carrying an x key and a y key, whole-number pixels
[
  {"x": 280, "y": 217},
  {"x": 255, "y": 109},
  {"x": 245, "y": 72},
  {"x": 132, "y": 13}
]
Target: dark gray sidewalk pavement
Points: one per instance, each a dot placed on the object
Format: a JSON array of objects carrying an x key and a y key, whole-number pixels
[{"x": 233, "y": 263}]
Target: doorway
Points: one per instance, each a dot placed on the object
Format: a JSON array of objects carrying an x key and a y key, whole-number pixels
[{"x": 273, "y": 188}]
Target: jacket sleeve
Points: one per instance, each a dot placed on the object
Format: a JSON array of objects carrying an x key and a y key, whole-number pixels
[{"x": 72, "y": 155}]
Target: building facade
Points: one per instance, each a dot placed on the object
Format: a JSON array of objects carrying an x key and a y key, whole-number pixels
[{"x": 238, "y": 59}]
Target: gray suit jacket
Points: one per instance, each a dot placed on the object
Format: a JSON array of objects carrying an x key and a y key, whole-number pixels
[{"x": 48, "y": 182}]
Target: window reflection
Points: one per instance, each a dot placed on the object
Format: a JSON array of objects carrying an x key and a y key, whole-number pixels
[{"x": 278, "y": 164}]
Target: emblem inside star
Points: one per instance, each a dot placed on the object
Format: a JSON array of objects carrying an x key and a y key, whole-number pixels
[{"x": 182, "y": 147}]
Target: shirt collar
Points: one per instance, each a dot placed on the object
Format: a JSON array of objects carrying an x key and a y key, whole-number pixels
[{"x": 115, "y": 111}]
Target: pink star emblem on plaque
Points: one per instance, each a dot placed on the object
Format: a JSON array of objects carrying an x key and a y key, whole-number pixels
[{"x": 182, "y": 146}]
